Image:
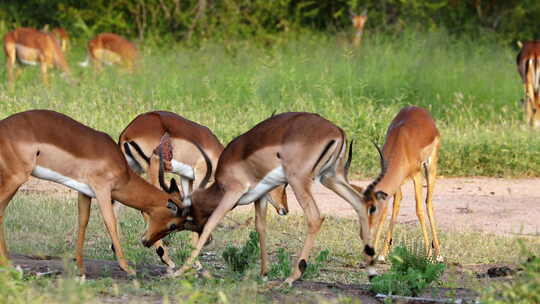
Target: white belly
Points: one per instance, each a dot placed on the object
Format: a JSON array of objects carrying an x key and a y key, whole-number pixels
[
  {"x": 27, "y": 55},
  {"x": 50, "y": 175},
  {"x": 273, "y": 179},
  {"x": 182, "y": 169}
]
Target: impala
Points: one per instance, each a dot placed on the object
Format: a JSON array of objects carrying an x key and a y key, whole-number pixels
[
  {"x": 54, "y": 147},
  {"x": 62, "y": 36},
  {"x": 293, "y": 148},
  {"x": 110, "y": 49},
  {"x": 32, "y": 47},
  {"x": 411, "y": 149},
  {"x": 358, "y": 22},
  {"x": 528, "y": 62},
  {"x": 189, "y": 150}
]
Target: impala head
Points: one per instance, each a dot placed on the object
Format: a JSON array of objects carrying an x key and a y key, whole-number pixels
[
  {"x": 374, "y": 201},
  {"x": 359, "y": 21},
  {"x": 165, "y": 219}
]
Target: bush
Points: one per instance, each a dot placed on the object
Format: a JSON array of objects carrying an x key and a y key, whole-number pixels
[
  {"x": 282, "y": 269},
  {"x": 241, "y": 259},
  {"x": 410, "y": 273}
]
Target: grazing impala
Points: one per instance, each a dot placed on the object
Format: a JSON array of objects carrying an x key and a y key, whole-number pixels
[
  {"x": 293, "y": 148},
  {"x": 32, "y": 47},
  {"x": 411, "y": 149},
  {"x": 188, "y": 149},
  {"x": 528, "y": 62},
  {"x": 54, "y": 147},
  {"x": 358, "y": 22},
  {"x": 111, "y": 49}
]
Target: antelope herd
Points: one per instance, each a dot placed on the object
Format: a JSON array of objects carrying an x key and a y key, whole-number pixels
[{"x": 289, "y": 149}]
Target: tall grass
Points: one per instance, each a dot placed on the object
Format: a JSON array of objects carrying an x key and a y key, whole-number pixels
[{"x": 470, "y": 86}]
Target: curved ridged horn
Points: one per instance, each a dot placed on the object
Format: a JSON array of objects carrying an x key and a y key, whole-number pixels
[
  {"x": 161, "y": 173},
  {"x": 369, "y": 190}
]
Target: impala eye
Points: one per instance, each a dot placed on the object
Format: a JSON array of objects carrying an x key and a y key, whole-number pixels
[
  {"x": 372, "y": 209},
  {"x": 173, "y": 227}
]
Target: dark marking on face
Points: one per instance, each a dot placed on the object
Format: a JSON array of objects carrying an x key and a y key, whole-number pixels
[
  {"x": 160, "y": 251},
  {"x": 369, "y": 250},
  {"x": 38, "y": 152},
  {"x": 390, "y": 242},
  {"x": 302, "y": 265},
  {"x": 278, "y": 155},
  {"x": 372, "y": 209}
]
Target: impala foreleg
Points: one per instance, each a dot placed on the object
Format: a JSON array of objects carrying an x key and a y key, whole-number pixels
[
  {"x": 8, "y": 188},
  {"x": 417, "y": 180},
  {"x": 398, "y": 196},
  {"x": 84, "y": 215},
  {"x": 226, "y": 204},
  {"x": 10, "y": 63},
  {"x": 161, "y": 250},
  {"x": 260, "y": 225},
  {"x": 104, "y": 201},
  {"x": 314, "y": 223},
  {"x": 340, "y": 186}
]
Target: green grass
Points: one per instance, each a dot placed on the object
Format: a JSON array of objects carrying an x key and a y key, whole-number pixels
[{"x": 471, "y": 88}]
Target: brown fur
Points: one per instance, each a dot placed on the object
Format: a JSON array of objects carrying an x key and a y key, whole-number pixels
[
  {"x": 412, "y": 139},
  {"x": 39, "y": 47},
  {"x": 528, "y": 63},
  {"x": 111, "y": 48},
  {"x": 54, "y": 141},
  {"x": 306, "y": 146}
]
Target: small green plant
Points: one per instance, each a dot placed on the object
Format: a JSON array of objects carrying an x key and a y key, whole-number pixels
[
  {"x": 282, "y": 269},
  {"x": 241, "y": 259},
  {"x": 525, "y": 289},
  {"x": 410, "y": 273}
]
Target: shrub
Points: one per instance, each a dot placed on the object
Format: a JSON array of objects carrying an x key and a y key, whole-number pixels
[
  {"x": 410, "y": 273},
  {"x": 241, "y": 259},
  {"x": 282, "y": 269}
]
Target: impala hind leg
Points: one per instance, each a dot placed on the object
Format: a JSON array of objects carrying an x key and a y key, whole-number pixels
[
  {"x": 104, "y": 202},
  {"x": 431, "y": 178},
  {"x": 260, "y": 224},
  {"x": 417, "y": 180},
  {"x": 398, "y": 196},
  {"x": 342, "y": 188},
  {"x": 302, "y": 191},
  {"x": 84, "y": 215}
]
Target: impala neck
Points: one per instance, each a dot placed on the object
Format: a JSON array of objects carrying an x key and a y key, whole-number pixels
[
  {"x": 139, "y": 194},
  {"x": 396, "y": 173},
  {"x": 205, "y": 201}
]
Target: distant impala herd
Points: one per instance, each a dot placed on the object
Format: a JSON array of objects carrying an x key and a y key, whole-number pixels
[{"x": 288, "y": 149}]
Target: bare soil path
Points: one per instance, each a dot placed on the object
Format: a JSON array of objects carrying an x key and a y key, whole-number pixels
[{"x": 494, "y": 205}]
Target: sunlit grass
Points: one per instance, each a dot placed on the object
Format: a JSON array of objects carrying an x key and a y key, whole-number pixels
[{"x": 471, "y": 88}]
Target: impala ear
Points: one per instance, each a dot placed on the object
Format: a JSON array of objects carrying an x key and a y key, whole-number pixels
[
  {"x": 381, "y": 196},
  {"x": 173, "y": 188},
  {"x": 172, "y": 206}
]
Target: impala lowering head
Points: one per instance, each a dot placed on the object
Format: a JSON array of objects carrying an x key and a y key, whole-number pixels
[
  {"x": 166, "y": 219},
  {"x": 374, "y": 199}
]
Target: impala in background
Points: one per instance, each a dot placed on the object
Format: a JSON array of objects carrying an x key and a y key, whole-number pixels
[{"x": 29, "y": 46}]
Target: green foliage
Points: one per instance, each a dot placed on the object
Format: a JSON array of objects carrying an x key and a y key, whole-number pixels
[
  {"x": 282, "y": 268},
  {"x": 524, "y": 289},
  {"x": 11, "y": 285},
  {"x": 241, "y": 259},
  {"x": 260, "y": 19},
  {"x": 410, "y": 273}
]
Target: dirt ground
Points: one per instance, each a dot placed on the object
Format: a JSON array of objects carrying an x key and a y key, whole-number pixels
[
  {"x": 501, "y": 206},
  {"x": 494, "y": 205}
]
